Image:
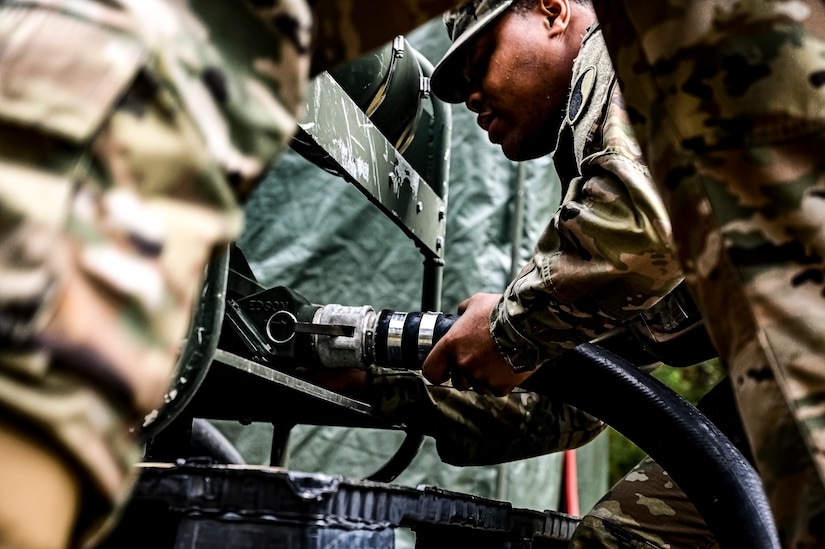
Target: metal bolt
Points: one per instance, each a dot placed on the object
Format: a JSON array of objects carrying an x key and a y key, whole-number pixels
[
  {"x": 424, "y": 87},
  {"x": 419, "y": 207},
  {"x": 398, "y": 46}
]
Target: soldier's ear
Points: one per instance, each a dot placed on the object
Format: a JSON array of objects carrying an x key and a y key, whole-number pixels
[{"x": 557, "y": 13}]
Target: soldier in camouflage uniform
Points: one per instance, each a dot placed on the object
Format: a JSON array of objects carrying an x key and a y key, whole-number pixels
[
  {"x": 129, "y": 132},
  {"x": 606, "y": 254},
  {"x": 729, "y": 108}
]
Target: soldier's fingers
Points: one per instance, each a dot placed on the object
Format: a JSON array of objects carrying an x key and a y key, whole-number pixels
[
  {"x": 504, "y": 384},
  {"x": 436, "y": 366},
  {"x": 463, "y": 306},
  {"x": 460, "y": 381}
]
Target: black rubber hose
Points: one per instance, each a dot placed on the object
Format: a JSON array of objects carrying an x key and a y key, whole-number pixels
[
  {"x": 720, "y": 482},
  {"x": 406, "y": 344},
  {"x": 402, "y": 459},
  {"x": 208, "y": 441},
  {"x": 713, "y": 473}
]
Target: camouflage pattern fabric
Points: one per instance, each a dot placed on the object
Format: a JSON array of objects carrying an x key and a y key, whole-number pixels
[
  {"x": 645, "y": 509},
  {"x": 474, "y": 429},
  {"x": 606, "y": 254},
  {"x": 129, "y": 132},
  {"x": 111, "y": 205},
  {"x": 727, "y": 101}
]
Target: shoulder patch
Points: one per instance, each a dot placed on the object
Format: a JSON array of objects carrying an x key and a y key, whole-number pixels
[{"x": 580, "y": 94}]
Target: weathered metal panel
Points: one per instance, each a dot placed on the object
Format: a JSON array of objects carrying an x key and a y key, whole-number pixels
[{"x": 339, "y": 136}]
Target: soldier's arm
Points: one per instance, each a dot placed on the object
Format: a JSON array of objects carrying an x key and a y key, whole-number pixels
[
  {"x": 605, "y": 257},
  {"x": 473, "y": 429}
]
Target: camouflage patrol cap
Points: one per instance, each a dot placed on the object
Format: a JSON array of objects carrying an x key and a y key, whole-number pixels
[{"x": 463, "y": 23}]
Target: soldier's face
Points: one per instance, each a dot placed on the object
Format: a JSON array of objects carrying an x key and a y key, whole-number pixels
[{"x": 518, "y": 73}]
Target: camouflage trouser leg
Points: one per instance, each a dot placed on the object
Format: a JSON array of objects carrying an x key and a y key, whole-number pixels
[
  {"x": 728, "y": 103},
  {"x": 643, "y": 510}
]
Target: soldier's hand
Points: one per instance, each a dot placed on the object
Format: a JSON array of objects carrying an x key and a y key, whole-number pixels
[{"x": 468, "y": 355}]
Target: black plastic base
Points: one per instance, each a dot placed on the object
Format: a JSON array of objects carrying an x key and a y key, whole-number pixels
[{"x": 216, "y": 506}]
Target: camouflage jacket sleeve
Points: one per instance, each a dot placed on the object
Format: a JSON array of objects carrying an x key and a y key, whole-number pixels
[
  {"x": 473, "y": 429},
  {"x": 607, "y": 253}
]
